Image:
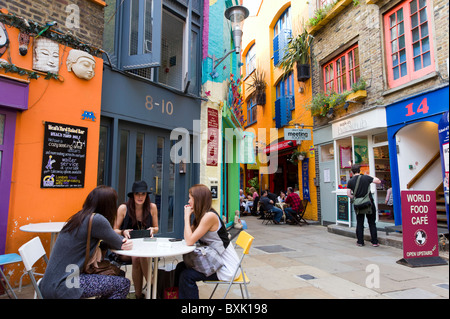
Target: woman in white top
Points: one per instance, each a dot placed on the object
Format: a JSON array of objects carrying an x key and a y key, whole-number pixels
[{"x": 210, "y": 230}]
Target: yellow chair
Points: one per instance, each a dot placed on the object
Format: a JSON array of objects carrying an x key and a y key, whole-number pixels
[{"x": 244, "y": 241}]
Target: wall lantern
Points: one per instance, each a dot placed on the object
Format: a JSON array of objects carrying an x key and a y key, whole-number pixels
[{"x": 237, "y": 15}]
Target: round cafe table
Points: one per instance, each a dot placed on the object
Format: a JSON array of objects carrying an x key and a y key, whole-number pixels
[
  {"x": 50, "y": 227},
  {"x": 153, "y": 249}
]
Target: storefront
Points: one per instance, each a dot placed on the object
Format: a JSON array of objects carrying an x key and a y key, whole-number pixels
[
  {"x": 360, "y": 138},
  {"x": 286, "y": 174},
  {"x": 147, "y": 134},
  {"x": 414, "y": 149}
]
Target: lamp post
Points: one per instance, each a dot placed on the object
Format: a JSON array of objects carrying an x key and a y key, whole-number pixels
[{"x": 236, "y": 15}]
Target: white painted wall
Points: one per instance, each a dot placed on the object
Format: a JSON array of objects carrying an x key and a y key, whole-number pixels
[{"x": 418, "y": 143}]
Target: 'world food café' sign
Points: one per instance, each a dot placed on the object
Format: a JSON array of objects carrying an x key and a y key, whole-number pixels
[{"x": 420, "y": 238}]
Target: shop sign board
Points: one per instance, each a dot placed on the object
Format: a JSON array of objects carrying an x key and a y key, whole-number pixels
[
  {"x": 297, "y": 134},
  {"x": 212, "y": 155},
  {"x": 64, "y": 156},
  {"x": 443, "y": 146},
  {"x": 420, "y": 238},
  {"x": 343, "y": 210},
  {"x": 280, "y": 146}
]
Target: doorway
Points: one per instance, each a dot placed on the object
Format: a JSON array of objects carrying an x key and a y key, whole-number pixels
[{"x": 144, "y": 154}]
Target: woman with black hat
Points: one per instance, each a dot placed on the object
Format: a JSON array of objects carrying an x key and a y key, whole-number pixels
[{"x": 137, "y": 213}]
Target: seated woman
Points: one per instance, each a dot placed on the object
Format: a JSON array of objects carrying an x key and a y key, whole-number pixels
[
  {"x": 70, "y": 249},
  {"x": 208, "y": 228},
  {"x": 138, "y": 213}
]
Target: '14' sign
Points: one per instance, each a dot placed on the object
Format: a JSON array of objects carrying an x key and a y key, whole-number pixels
[{"x": 423, "y": 108}]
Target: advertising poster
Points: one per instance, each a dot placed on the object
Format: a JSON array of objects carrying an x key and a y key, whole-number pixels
[
  {"x": 420, "y": 238},
  {"x": 64, "y": 156},
  {"x": 212, "y": 155}
]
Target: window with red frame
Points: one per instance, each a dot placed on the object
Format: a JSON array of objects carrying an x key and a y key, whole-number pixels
[
  {"x": 409, "y": 48},
  {"x": 341, "y": 73},
  {"x": 324, "y": 3}
]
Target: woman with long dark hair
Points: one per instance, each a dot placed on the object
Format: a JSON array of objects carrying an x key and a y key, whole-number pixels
[
  {"x": 210, "y": 230},
  {"x": 137, "y": 213},
  {"x": 64, "y": 277}
]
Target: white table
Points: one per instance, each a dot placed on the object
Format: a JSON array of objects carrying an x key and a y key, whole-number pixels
[
  {"x": 50, "y": 227},
  {"x": 161, "y": 247}
]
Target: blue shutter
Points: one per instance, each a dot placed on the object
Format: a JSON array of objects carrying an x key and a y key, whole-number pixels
[
  {"x": 276, "y": 54},
  {"x": 290, "y": 102},
  {"x": 283, "y": 113},
  {"x": 142, "y": 58}
]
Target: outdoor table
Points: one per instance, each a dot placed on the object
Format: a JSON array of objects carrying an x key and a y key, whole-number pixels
[
  {"x": 50, "y": 227},
  {"x": 153, "y": 249}
]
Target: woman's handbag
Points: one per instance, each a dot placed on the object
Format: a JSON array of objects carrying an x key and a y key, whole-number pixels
[
  {"x": 362, "y": 204},
  {"x": 204, "y": 259},
  {"x": 96, "y": 264}
]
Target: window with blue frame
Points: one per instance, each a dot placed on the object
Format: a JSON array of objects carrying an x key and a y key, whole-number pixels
[
  {"x": 285, "y": 102},
  {"x": 282, "y": 31},
  {"x": 251, "y": 111},
  {"x": 148, "y": 38}
]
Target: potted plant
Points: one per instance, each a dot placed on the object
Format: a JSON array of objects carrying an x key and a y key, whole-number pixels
[
  {"x": 298, "y": 51},
  {"x": 297, "y": 156},
  {"x": 258, "y": 86}
]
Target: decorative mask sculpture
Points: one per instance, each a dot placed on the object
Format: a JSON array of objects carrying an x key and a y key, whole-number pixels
[
  {"x": 81, "y": 63},
  {"x": 24, "y": 41},
  {"x": 3, "y": 39},
  {"x": 46, "y": 55}
]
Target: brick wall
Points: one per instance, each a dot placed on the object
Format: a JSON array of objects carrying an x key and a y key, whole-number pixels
[{"x": 90, "y": 28}]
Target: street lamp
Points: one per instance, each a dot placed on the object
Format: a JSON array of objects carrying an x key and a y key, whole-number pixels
[{"x": 237, "y": 15}]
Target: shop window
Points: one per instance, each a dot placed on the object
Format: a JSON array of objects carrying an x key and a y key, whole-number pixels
[
  {"x": 327, "y": 152},
  {"x": 250, "y": 60},
  {"x": 408, "y": 36},
  {"x": 282, "y": 31},
  {"x": 342, "y": 72}
]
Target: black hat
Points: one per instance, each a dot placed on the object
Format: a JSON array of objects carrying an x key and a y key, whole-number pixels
[{"x": 139, "y": 187}]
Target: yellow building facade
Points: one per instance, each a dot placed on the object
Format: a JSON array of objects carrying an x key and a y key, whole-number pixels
[{"x": 276, "y": 166}]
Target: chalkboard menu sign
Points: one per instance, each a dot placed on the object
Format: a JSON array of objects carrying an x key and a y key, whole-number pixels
[
  {"x": 343, "y": 214},
  {"x": 64, "y": 156}
]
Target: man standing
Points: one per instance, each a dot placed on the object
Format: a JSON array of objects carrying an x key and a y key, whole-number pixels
[
  {"x": 294, "y": 202},
  {"x": 267, "y": 205},
  {"x": 370, "y": 213}
]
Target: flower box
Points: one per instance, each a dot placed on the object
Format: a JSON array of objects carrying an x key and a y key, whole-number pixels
[
  {"x": 341, "y": 5},
  {"x": 357, "y": 96}
]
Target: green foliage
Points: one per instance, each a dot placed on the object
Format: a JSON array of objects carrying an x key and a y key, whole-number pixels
[{"x": 297, "y": 51}]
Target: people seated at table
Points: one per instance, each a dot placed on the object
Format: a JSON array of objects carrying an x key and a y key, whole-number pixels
[
  {"x": 252, "y": 199},
  {"x": 242, "y": 200},
  {"x": 137, "y": 213},
  {"x": 208, "y": 228},
  {"x": 69, "y": 252},
  {"x": 267, "y": 205},
  {"x": 293, "y": 203},
  {"x": 282, "y": 197}
]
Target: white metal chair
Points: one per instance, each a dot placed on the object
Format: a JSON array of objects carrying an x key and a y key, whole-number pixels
[
  {"x": 244, "y": 241},
  {"x": 5, "y": 260},
  {"x": 31, "y": 252}
]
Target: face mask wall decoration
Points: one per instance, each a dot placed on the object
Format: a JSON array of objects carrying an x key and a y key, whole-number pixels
[
  {"x": 46, "y": 55},
  {"x": 3, "y": 39},
  {"x": 81, "y": 63}
]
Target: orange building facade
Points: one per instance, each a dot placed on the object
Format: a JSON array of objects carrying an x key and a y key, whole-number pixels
[
  {"x": 49, "y": 132},
  {"x": 285, "y": 93}
]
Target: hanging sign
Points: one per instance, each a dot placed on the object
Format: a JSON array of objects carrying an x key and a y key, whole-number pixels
[
  {"x": 305, "y": 179},
  {"x": 212, "y": 150},
  {"x": 443, "y": 146},
  {"x": 64, "y": 156},
  {"x": 420, "y": 238},
  {"x": 297, "y": 134}
]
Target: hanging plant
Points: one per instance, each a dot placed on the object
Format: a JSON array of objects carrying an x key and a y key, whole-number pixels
[
  {"x": 297, "y": 156},
  {"x": 298, "y": 52},
  {"x": 258, "y": 86}
]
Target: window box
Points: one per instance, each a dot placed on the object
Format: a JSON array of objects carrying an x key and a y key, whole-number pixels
[
  {"x": 99, "y": 2},
  {"x": 357, "y": 96},
  {"x": 338, "y": 7}
]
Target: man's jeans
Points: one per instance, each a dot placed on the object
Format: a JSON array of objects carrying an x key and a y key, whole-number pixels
[{"x": 278, "y": 214}]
